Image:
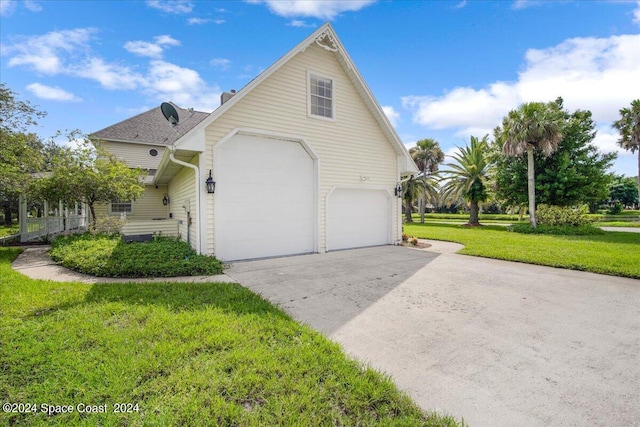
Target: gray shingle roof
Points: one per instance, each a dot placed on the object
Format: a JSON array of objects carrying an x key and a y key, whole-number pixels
[{"x": 151, "y": 127}]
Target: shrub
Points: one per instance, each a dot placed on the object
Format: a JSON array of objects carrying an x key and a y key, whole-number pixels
[
  {"x": 414, "y": 241},
  {"x": 615, "y": 209},
  {"x": 558, "y": 230},
  {"x": 405, "y": 237},
  {"x": 557, "y": 215},
  {"x": 108, "y": 256}
]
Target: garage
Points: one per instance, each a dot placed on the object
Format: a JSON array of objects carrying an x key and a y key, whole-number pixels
[
  {"x": 265, "y": 196},
  {"x": 358, "y": 218}
]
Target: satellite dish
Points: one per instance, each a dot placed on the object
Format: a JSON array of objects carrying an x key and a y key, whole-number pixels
[{"x": 169, "y": 113}]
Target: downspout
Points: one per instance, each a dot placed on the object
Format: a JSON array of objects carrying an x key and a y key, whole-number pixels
[{"x": 172, "y": 149}]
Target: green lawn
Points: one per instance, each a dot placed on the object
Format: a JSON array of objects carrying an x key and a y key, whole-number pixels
[
  {"x": 614, "y": 253},
  {"x": 178, "y": 354}
]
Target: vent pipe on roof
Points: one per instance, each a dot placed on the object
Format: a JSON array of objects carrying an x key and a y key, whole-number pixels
[{"x": 225, "y": 96}]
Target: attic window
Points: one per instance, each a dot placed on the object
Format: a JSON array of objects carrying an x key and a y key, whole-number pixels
[
  {"x": 153, "y": 152},
  {"x": 320, "y": 96}
]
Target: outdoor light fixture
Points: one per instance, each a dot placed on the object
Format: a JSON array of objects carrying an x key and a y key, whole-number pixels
[
  {"x": 398, "y": 190},
  {"x": 211, "y": 184},
  {"x": 165, "y": 200}
]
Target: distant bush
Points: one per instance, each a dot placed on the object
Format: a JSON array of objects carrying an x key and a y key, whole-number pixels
[
  {"x": 562, "y": 216},
  {"x": 557, "y": 230},
  {"x": 108, "y": 256},
  {"x": 615, "y": 209}
]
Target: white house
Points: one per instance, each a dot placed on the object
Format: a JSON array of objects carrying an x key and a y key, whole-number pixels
[{"x": 303, "y": 158}]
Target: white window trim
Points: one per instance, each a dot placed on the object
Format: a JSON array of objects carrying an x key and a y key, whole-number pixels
[
  {"x": 120, "y": 213},
  {"x": 333, "y": 96}
]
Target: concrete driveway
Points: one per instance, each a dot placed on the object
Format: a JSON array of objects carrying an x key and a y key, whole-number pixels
[{"x": 495, "y": 342}]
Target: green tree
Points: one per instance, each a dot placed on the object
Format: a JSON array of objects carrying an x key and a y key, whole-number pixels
[
  {"x": 468, "y": 177},
  {"x": 20, "y": 151},
  {"x": 534, "y": 126},
  {"x": 575, "y": 174},
  {"x": 428, "y": 156},
  {"x": 624, "y": 189},
  {"x": 629, "y": 127},
  {"x": 89, "y": 174},
  {"x": 413, "y": 188}
]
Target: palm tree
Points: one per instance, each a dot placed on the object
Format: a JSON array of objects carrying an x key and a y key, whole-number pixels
[
  {"x": 533, "y": 126},
  {"x": 629, "y": 128},
  {"x": 468, "y": 177},
  {"x": 413, "y": 188},
  {"x": 427, "y": 155}
]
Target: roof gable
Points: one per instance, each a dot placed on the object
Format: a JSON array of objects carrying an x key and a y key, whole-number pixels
[
  {"x": 325, "y": 38},
  {"x": 151, "y": 127}
]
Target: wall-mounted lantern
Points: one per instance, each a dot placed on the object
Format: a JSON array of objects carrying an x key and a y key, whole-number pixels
[
  {"x": 165, "y": 200},
  {"x": 398, "y": 190},
  {"x": 211, "y": 184}
]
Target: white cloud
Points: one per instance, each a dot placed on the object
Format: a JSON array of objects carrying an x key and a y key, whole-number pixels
[
  {"x": 321, "y": 9},
  {"x": 44, "y": 53},
  {"x": 391, "y": 114},
  {"x": 32, "y": 6},
  {"x": 219, "y": 21},
  {"x": 143, "y": 48},
  {"x": 185, "y": 87},
  {"x": 222, "y": 63},
  {"x": 69, "y": 53},
  {"x": 7, "y": 7},
  {"x": 298, "y": 23},
  {"x": 198, "y": 21},
  {"x": 52, "y": 93},
  {"x": 110, "y": 76},
  {"x": 151, "y": 50},
  {"x": 636, "y": 14},
  {"x": 523, "y": 4},
  {"x": 600, "y": 75},
  {"x": 462, "y": 4},
  {"x": 172, "y": 6}
]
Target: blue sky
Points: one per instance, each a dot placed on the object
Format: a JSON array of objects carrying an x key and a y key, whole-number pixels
[{"x": 440, "y": 69}]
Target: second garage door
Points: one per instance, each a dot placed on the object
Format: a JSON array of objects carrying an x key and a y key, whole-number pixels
[
  {"x": 358, "y": 218},
  {"x": 264, "y": 200}
]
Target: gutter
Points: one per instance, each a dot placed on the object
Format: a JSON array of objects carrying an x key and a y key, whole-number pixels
[{"x": 172, "y": 149}]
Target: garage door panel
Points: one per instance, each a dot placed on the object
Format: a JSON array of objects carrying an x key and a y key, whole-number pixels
[
  {"x": 265, "y": 200},
  {"x": 358, "y": 218}
]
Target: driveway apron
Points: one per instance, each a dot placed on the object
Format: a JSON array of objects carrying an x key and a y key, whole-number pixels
[{"x": 495, "y": 342}]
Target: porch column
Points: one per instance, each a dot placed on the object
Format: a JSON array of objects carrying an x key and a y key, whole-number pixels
[{"x": 22, "y": 217}]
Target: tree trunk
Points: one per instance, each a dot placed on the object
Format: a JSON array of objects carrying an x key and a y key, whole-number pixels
[
  {"x": 531, "y": 184},
  {"x": 473, "y": 213},
  {"x": 638, "y": 176},
  {"x": 407, "y": 210},
  {"x": 93, "y": 216},
  {"x": 423, "y": 205},
  {"x": 7, "y": 213}
]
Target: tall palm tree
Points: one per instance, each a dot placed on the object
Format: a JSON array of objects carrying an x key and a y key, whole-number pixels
[
  {"x": 629, "y": 128},
  {"x": 427, "y": 155},
  {"x": 533, "y": 126},
  {"x": 468, "y": 177}
]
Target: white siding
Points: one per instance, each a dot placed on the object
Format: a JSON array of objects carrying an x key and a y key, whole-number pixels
[
  {"x": 146, "y": 207},
  {"x": 349, "y": 148},
  {"x": 135, "y": 155},
  {"x": 167, "y": 227},
  {"x": 183, "y": 198}
]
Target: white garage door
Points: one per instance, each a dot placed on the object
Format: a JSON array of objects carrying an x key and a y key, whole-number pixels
[
  {"x": 264, "y": 200},
  {"x": 358, "y": 218}
]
